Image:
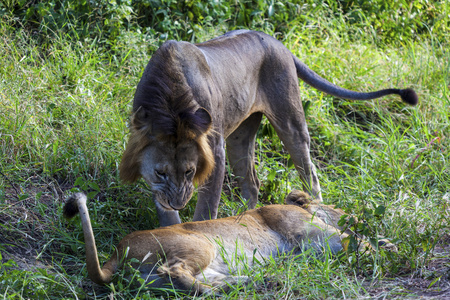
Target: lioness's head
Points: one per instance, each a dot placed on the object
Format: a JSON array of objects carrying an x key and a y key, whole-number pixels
[{"x": 170, "y": 152}]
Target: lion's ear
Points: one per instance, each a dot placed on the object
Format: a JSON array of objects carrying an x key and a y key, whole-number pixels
[
  {"x": 203, "y": 120},
  {"x": 193, "y": 125},
  {"x": 140, "y": 120},
  {"x": 206, "y": 161},
  {"x": 129, "y": 167}
]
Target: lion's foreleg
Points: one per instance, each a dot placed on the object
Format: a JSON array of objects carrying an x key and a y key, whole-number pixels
[{"x": 209, "y": 193}]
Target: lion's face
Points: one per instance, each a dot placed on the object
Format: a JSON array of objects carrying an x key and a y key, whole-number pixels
[
  {"x": 171, "y": 156},
  {"x": 169, "y": 168}
]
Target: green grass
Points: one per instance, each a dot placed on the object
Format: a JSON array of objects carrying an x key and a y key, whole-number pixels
[{"x": 63, "y": 127}]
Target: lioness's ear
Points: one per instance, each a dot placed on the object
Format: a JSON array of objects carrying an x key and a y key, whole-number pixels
[{"x": 298, "y": 198}]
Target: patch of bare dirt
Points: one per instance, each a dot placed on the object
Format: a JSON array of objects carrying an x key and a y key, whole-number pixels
[
  {"x": 431, "y": 282},
  {"x": 27, "y": 211}
]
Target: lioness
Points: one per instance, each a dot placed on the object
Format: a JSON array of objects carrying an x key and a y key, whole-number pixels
[
  {"x": 192, "y": 97},
  {"x": 195, "y": 257}
]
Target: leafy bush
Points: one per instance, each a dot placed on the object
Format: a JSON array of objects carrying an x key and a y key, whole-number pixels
[
  {"x": 399, "y": 20},
  {"x": 385, "y": 21}
]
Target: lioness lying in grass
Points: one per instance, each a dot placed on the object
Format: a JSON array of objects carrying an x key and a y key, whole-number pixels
[{"x": 192, "y": 256}]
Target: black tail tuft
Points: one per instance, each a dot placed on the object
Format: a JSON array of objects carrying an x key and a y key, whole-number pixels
[
  {"x": 70, "y": 209},
  {"x": 409, "y": 96}
]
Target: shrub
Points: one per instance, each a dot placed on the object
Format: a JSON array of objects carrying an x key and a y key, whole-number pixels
[{"x": 385, "y": 21}]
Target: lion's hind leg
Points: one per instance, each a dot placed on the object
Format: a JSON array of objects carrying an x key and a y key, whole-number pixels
[{"x": 289, "y": 122}]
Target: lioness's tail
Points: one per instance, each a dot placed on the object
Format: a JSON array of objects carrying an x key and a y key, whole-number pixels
[
  {"x": 77, "y": 204},
  {"x": 314, "y": 80}
]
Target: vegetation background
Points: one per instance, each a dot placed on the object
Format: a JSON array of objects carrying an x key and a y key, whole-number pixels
[{"x": 67, "y": 78}]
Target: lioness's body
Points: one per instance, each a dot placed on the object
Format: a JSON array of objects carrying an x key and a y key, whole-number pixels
[
  {"x": 197, "y": 256},
  {"x": 227, "y": 84}
]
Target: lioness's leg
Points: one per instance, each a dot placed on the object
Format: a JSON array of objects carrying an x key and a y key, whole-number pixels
[
  {"x": 209, "y": 193},
  {"x": 178, "y": 272},
  {"x": 192, "y": 255},
  {"x": 241, "y": 153}
]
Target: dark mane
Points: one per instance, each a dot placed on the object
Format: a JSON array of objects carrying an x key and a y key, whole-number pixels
[{"x": 166, "y": 98}]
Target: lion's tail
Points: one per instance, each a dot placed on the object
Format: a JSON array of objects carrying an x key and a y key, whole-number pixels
[
  {"x": 313, "y": 79},
  {"x": 77, "y": 204}
]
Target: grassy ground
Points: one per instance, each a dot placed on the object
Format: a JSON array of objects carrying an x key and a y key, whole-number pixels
[{"x": 63, "y": 128}]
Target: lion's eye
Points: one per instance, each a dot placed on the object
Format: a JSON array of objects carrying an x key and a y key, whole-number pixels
[
  {"x": 189, "y": 172},
  {"x": 160, "y": 174}
]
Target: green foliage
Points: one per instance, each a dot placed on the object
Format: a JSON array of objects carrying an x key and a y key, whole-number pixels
[
  {"x": 275, "y": 166},
  {"x": 399, "y": 20},
  {"x": 386, "y": 21},
  {"x": 69, "y": 70}
]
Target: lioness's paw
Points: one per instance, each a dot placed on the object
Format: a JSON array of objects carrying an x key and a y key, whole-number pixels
[{"x": 173, "y": 268}]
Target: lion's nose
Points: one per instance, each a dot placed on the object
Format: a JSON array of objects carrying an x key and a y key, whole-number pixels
[{"x": 180, "y": 200}]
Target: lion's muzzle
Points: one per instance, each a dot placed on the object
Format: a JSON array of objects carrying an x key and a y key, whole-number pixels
[{"x": 174, "y": 199}]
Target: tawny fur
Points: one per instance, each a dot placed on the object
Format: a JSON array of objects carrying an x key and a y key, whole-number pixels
[{"x": 197, "y": 257}]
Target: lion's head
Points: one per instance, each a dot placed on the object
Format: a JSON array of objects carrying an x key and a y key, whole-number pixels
[
  {"x": 170, "y": 162},
  {"x": 168, "y": 144}
]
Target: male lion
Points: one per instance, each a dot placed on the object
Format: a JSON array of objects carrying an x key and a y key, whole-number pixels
[
  {"x": 193, "y": 97},
  {"x": 197, "y": 257}
]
